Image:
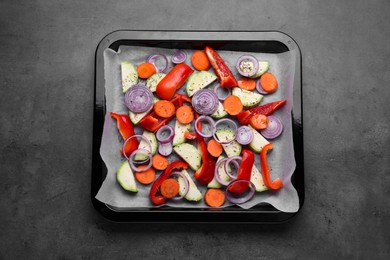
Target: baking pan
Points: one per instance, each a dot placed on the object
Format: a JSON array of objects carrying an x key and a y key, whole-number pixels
[{"x": 258, "y": 41}]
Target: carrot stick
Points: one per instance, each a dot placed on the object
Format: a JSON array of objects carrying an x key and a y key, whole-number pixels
[
  {"x": 214, "y": 148},
  {"x": 185, "y": 114},
  {"x": 159, "y": 162},
  {"x": 269, "y": 82},
  {"x": 259, "y": 121},
  {"x": 169, "y": 188},
  {"x": 214, "y": 197},
  {"x": 164, "y": 108},
  {"x": 233, "y": 105},
  {"x": 145, "y": 177},
  {"x": 247, "y": 84},
  {"x": 200, "y": 61},
  {"x": 145, "y": 70}
]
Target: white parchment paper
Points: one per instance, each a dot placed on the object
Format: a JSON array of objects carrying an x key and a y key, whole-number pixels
[{"x": 281, "y": 158}]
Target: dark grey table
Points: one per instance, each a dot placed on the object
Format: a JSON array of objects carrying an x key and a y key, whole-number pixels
[{"x": 47, "y": 74}]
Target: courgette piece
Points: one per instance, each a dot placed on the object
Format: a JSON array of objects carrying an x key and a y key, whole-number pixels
[
  {"x": 257, "y": 180},
  {"x": 220, "y": 113},
  {"x": 193, "y": 193},
  {"x": 263, "y": 67},
  {"x": 190, "y": 154},
  {"x": 153, "y": 80},
  {"x": 232, "y": 148},
  {"x": 129, "y": 75},
  {"x": 180, "y": 129},
  {"x": 125, "y": 177},
  {"x": 258, "y": 141},
  {"x": 248, "y": 98},
  {"x": 199, "y": 80},
  {"x": 144, "y": 145},
  {"x": 222, "y": 173}
]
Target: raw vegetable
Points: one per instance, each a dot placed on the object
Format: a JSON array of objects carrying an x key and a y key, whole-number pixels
[
  {"x": 263, "y": 67},
  {"x": 165, "y": 134},
  {"x": 224, "y": 74},
  {"x": 214, "y": 197},
  {"x": 225, "y": 124},
  {"x": 239, "y": 198},
  {"x": 200, "y": 122},
  {"x": 175, "y": 78},
  {"x": 214, "y": 148},
  {"x": 193, "y": 193},
  {"x": 164, "y": 108},
  {"x": 220, "y": 113},
  {"x": 136, "y": 117},
  {"x": 274, "y": 128},
  {"x": 248, "y": 98},
  {"x": 148, "y": 143},
  {"x": 145, "y": 177},
  {"x": 152, "y": 81},
  {"x": 160, "y": 61},
  {"x": 245, "y": 135},
  {"x": 269, "y": 82},
  {"x": 247, "y": 84},
  {"x": 259, "y": 121},
  {"x": 206, "y": 172},
  {"x": 232, "y": 148},
  {"x": 185, "y": 115},
  {"x": 189, "y": 135},
  {"x": 129, "y": 75},
  {"x": 126, "y": 129},
  {"x": 184, "y": 184},
  {"x": 179, "y": 57},
  {"x": 146, "y": 69},
  {"x": 199, "y": 80},
  {"x": 159, "y": 162},
  {"x": 247, "y": 65},
  {"x": 244, "y": 172},
  {"x": 275, "y": 184},
  {"x": 266, "y": 109},
  {"x": 159, "y": 199},
  {"x": 180, "y": 129},
  {"x": 222, "y": 93},
  {"x": 145, "y": 154},
  {"x": 139, "y": 98},
  {"x": 257, "y": 180},
  {"x": 165, "y": 149},
  {"x": 220, "y": 176},
  {"x": 258, "y": 141},
  {"x": 200, "y": 61},
  {"x": 169, "y": 188},
  {"x": 205, "y": 102},
  {"x": 190, "y": 154},
  {"x": 125, "y": 177},
  {"x": 232, "y": 105}
]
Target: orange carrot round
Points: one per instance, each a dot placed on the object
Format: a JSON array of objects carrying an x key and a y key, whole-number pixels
[
  {"x": 164, "y": 108},
  {"x": 214, "y": 148},
  {"x": 200, "y": 61},
  {"x": 145, "y": 70},
  {"x": 145, "y": 177},
  {"x": 269, "y": 82},
  {"x": 169, "y": 188},
  {"x": 247, "y": 84},
  {"x": 233, "y": 105},
  {"x": 259, "y": 121},
  {"x": 214, "y": 197},
  {"x": 184, "y": 114},
  {"x": 159, "y": 162}
]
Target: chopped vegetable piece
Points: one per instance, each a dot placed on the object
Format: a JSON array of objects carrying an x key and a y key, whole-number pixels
[
  {"x": 189, "y": 135},
  {"x": 205, "y": 102},
  {"x": 233, "y": 105},
  {"x": 126, "y": 129},
  {"x": 160, "y": 61},
  {"x": 269, "y": 82},
  {"x": 247, "y": 84},
  {"x": 244, "y": 172},
  {"x": 265, "y": 172},
  {"x": 159, "y": 162},
  {"x": 266, "y": 109},
  {"x": 214, "y": 148},
  {"x": 273, "y": 129},
  {"x": 169, "y": 188},
  {"x": 164, "y": 108},
  {"x": 214, "y": 197},
  {"x": 145, "y": 177},
  {"x": 185, "y": 115},
  {"x": 200, "y": 61},
  {"x": 139, "y": 98},
  {"x": 247, "y": 65},
  {"x": 259, "y": 121},
  {"x": 146, "y": 69}
]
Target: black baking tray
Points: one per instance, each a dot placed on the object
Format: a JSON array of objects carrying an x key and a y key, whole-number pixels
[{"x": 253, "y": 41}]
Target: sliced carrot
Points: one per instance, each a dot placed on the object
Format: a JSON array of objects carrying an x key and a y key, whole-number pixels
[
  {"x": 159, "y": 162},
  {"x": 169, "y": 188},
  {"x": 214, "y": 197},
  {"x": 269, "y": 82},
  {"x": 247, "y": 84},
  {"x": 200, "y": 61},
  {"x": 184, "y": 114},
  {"x": 145, "y": 70},
  {"x": 233, "y": 105},
  {"x": 259, "y": 121},
  {"x": 164, "y": 108},
  {"x": 145, "y": 177},
  {"x": 214, "y": 148}
]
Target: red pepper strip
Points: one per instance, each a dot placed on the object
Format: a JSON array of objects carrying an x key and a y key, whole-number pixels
[
  {"x": 275, "y": 184},
  {"x": 224, "y": 74},
  {"x": 266, "y": 109},
  {"x": 244, "y": 172},
  {"x": 159, "y": 199},
  {"x": 126, "y": 129},
  {"x": 175, "y": 78},
  {"x": 189, "y": 135}
]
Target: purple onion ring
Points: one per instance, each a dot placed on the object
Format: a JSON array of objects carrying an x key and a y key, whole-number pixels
[
  {"x": 186, "y": 184},
  {"x": 208, "y": 120},
  {"x": 231, "y": 122},
  {"x": 132, "y": 161},
  {"x": 131, "y": 137},
  {"x": 158, "y": 57},
  {"x": 227, "y": 163},
  {"x": 139, "y": 98},
  {"x": 273, "y": 129},
  {"x": 179, "y": 57},
  {"x": 239, "y": 200},
  {"x": 161, "y": 134},
  {"x": 217, "y": 91}
]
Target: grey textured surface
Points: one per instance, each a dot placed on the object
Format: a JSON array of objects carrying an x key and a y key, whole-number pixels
[{"x": 46, "y": 76}]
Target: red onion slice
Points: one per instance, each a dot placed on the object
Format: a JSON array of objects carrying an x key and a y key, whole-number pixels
[
  {"x": 222, "y": 93},
  {"x": 244, "y": 135},
  {"x": 165, "y": 149},
  {"x": 260, "y": 89},
  {"x": 239, "y": 198},
  {"x": 139, "y": 98},
  {"x": 186, "y": 184},
  {"x": 133, "y": 162},
  {"x": 179, "y": 57},
  {"x": 247, "y": 65},
  {"x": 211, "y": 127},
  {"x": 229, "y": 124},
  {"x": 135, "y": 136},
  {"x": 273, "y": 129},
  {"x": 205, "y": 102},
  {"x": 165, "y": 134},
  {"x": 227, "y": 163},
  {"x": 216, "y": 173},
  {"x": 160, "y": 61}
]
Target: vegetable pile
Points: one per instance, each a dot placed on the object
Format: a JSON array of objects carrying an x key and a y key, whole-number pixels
[{"x": 219, "y": 127}]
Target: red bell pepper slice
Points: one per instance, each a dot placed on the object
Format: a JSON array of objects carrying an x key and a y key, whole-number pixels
[
  {"x": 266, "y": 109},
  {"x": 159, "y": 199},
  {"x": 244, "y": 172},
  {"x": 126, "y": 130},
  {"x": 205, "y": 173},
  {"x": 175, "y": 78},
  {"x": 275, "y": 184},
  {"x": 224, "y": 74},
  {"x": 190, "y": 135}
]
